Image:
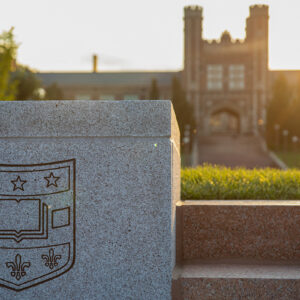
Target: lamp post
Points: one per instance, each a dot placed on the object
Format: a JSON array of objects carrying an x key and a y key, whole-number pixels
[{"x": 186, "y": 142}]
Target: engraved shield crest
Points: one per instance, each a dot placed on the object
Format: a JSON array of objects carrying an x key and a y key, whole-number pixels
[{"x": 37, "y": 223}]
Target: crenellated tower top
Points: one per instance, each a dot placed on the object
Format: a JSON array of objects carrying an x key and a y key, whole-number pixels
[
  {"x": 195, "y": 10},
  {"x": 259, "y": 10}
]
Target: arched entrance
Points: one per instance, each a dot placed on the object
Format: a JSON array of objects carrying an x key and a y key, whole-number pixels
[{"x": 224, "y": 121}]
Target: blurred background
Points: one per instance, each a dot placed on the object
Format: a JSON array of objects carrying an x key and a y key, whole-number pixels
[{"x": 231, "y": 68}]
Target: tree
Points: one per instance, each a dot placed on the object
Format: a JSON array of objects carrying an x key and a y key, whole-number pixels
[
  {"x": 154, "y": 92},
  {"x": 8, "y": 50},
  {"x": 54, "y": 92},
  {"x": 278, "y": 108},
  {"x": 293, "y": 120},
  {"x": 183, "y": 109},
  {"x": 16, "y": 82},
  {"x": 28, "y": 85}
]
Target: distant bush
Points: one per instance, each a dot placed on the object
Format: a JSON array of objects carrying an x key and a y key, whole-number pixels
[{"x": 214, "y": 182}]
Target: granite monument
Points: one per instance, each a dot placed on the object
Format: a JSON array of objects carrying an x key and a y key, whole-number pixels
[{"x": 87, "y": 199}]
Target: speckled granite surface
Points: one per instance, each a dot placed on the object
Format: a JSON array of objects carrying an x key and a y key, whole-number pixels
[
  {"x": 238, "y": 250},
  {"x": 256, "y": 230},
  {"x": 239, "y": 289},
  {"x": 127, "y": 183}
]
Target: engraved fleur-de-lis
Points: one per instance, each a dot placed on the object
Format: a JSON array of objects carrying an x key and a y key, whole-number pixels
[
  {"x": 17, "y": 267},
  {"x": 51, "y": 259}
]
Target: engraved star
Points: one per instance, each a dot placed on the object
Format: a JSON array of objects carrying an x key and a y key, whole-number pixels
[
  {"x": 18, "y": 183},
  {"x": 51, "y": 180}
]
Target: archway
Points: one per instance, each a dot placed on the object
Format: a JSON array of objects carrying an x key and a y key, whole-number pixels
[{"x": 224, "y": 121}]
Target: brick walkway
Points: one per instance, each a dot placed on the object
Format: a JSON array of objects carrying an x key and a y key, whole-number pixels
[{"x": 233, "y": 151}]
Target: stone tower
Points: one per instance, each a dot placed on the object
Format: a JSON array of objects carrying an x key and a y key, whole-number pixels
[
  {"x": 192, "y": 55},
  {"x": 226, "y": 79},
  {"x": 257, "y": 36}
]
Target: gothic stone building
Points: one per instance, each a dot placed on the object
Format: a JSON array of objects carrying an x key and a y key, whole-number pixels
[{"x": 226, "y": 80}]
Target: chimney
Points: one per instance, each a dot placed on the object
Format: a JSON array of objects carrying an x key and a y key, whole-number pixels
[{"x": 95, "y": 63}]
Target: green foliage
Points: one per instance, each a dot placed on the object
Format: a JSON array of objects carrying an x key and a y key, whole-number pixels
[
  {"x": 291, "y": 158},
  {"x": 214, "y": 182},
  {"x": 16, "y": 82},
  {"x": 183, "y": 109},
  {"x": 8, "y": 49},
  {"x": 292, "y": 120},
  {"x": 154, "y": 92},
  {"x": 284, "y": 110},
  {"x": 277, "y": 111},
  {"x": 28, "y": 84},
  {"x": 54, "y": 92}
]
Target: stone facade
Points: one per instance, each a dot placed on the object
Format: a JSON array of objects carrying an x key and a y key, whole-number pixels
[{"x": 227, "y": 75}]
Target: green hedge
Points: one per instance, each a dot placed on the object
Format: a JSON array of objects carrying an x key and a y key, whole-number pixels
[{"x": 214, "y": 182}]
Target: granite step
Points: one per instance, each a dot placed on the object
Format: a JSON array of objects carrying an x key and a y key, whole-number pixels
[
  {"x": 230, "y": 249},
  {"x": 236, "y": 280},
  {"x": 230, "y": 229}
]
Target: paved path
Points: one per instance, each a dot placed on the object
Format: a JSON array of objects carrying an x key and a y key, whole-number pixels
[{"x": 232, "y": 151}]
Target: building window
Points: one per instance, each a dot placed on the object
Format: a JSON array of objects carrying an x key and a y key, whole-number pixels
[
  {"x": 236, "y": 77},
  {"x": 214, "y": 77},
  {"x": 131, "y": 97},
  {"x": 107, "y": 97},
  {"x": 82, "y": 97}
]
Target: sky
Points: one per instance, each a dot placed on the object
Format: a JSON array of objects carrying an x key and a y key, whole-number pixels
[{"x": 62, "y": 35}]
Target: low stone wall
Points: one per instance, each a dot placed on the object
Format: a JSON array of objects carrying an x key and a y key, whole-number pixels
[
  {"x": 229, "y": 249},
  {"x": 230, "y": 229}
]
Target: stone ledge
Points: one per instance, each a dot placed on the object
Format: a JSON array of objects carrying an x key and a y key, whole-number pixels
[
  {"x": 236, "y": 280},
  {"x": 88, "y": 118},
  {"x": 239, "y": 203},
  {"x": 240, "y": 269},
  {"x": 235, "y": 288}
]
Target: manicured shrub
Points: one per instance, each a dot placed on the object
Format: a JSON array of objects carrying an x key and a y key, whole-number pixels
[{"x": 215, "y": 182}]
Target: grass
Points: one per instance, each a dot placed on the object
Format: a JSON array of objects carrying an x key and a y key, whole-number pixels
[
  {"x": 214, "y": 182},
  {"x": 291, "y": 159}
]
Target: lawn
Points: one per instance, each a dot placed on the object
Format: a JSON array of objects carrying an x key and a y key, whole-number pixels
[
  {"x": 291, "y": 159},
  {"x": 214, "y": 182}
]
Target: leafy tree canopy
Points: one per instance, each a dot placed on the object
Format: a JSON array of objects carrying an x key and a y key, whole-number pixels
[
  {"x": 283, "y": 110},
  {"x": 183, "y": 109},
  {"x": 8, "y": 52},
  {"x": 28, "y": 85},
  {"x": 54, "y": 92}
]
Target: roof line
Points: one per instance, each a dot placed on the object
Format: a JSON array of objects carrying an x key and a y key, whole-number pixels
[{"x": 107, "y": 72}]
